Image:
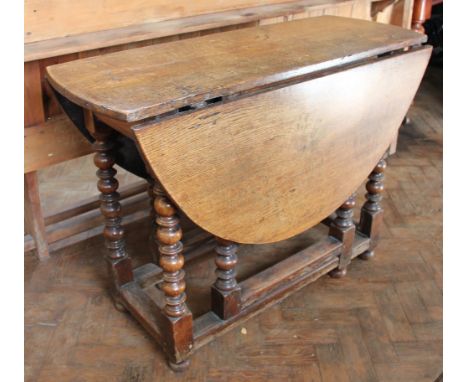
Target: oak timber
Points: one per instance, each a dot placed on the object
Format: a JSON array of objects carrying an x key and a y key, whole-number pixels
[
  {"x": 267, "y": 167},
  {"x": 46, "y": 19},
  {"x": 41, "y": 148},
  {"x": 124, "y": 33},
  {"x": 141, "y": 83}
]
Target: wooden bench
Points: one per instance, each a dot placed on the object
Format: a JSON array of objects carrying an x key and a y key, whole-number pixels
[{"x": 256, "y": 135}]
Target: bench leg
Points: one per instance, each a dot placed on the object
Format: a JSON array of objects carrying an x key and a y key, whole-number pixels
[
  {"x": 343, "y": 229},
  {"x": 118, "y": 261},
  {"x": 178, "y": 325},
  {"x": 372, "y": 212},
  {"x": 225, "y": 292},
  {"x": 34, "y": 218}
]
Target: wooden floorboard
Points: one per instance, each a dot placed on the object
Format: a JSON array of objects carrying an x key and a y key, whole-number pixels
[{"x": 382, "y": 323}]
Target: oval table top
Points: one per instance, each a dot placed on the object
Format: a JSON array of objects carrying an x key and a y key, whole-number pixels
[{"x": 135, "y": 84}]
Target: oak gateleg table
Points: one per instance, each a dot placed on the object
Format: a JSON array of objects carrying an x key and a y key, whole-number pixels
[{"x": 256, "y": 135}]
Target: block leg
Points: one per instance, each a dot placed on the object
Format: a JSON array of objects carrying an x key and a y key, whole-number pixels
[
  {"x": 343, "y": 229},
  {"x": 225, "y": 292}
]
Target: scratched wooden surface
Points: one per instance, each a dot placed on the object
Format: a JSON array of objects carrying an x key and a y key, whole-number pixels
[
  {"x": 284, "y": 151},
  {"x": 383, "y": 322},
  {"x": 135, "y": 84},
  {"x": 147, "y": 29},
  {"x": 48, "y": 19}
]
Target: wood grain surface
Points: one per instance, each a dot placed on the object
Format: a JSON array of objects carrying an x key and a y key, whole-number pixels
[
  {"x": 46, "y": 19},
  {"x": 33, "y": 111},
  {"x": 41, "y": 148},
  {"x": 264, "y": 168},
  {"x": 124, "y": 33},
  {"x": 140, "y": 83}
]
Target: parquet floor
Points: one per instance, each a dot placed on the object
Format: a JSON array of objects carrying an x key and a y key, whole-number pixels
[{"x": 383, "y": 322}]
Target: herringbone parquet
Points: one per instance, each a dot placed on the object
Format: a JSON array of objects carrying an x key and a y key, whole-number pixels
[{"x": 383, "y": 322}]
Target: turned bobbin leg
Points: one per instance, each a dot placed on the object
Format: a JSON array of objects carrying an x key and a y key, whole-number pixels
[
  {"x": 372, "y": 212},
  {"x": 119, "y": 263},
  {"x": 178, "y": 318},
  {"x": 225, "y": 292},
  {"x": 343, "y": 229}
]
